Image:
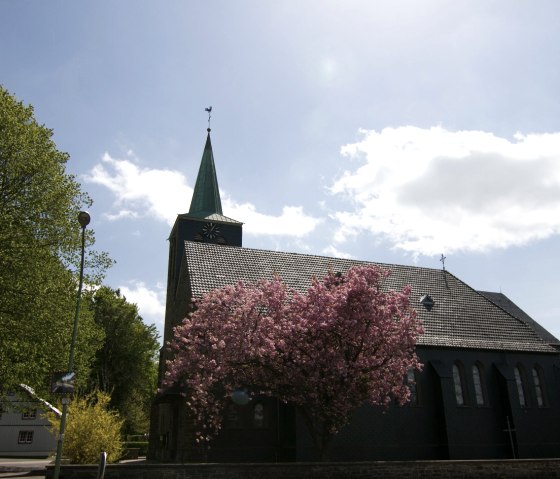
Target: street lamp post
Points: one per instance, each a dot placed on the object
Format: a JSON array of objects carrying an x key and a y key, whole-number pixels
[{"x": 83, "y": 219}]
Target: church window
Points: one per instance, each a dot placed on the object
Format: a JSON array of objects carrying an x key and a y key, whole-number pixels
[
  {"x": 517, "y": 372},
  {"x": 478, "y": 390},
  {"x": 258, "y": 416},
  {"x": 233, "y": 417},
  {"x": 459, "y": 384},
  {"x": 538, "y": 383},
  {"x": 171, "y": 274},
  {"x": 412, "y": 386}
]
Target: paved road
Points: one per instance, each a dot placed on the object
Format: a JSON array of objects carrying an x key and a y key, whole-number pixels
[
  {"x": 11, "y": 468},
  {"x": 27, "y": 475},
  {"x": 28, "y": 468}
]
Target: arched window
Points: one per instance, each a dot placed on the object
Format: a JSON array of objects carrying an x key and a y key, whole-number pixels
[
  {"x": 258, "y": 416},
  {"x": 519, "y": 381},
  {"x": 459, "y": 383},
  {"x": 233, "y": 417},
  {"x": 412, "y": 386},
  {"x": 478, "y": 389},
  {"x": 539, "y": 385}
]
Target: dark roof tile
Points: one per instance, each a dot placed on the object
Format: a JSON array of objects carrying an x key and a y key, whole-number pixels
[
  {"x": 508, "y": 305},
  {"x": 460, "y": 316}
]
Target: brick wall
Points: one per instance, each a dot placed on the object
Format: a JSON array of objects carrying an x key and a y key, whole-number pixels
[{"x": 518, "y": 469}]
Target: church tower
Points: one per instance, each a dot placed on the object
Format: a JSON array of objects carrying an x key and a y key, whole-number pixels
[{"x": 205, "y": 223}]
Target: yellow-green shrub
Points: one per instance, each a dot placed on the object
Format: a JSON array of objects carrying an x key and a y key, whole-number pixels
[{"x": 90, "y": 429}]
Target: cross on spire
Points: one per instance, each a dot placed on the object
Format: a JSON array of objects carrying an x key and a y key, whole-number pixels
[{"x": 442, "y": 259}]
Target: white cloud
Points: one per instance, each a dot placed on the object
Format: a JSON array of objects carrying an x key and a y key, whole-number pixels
[
  {"x": 150, "y": 302},
  {"x": 334, "y": 251},
  {"x": 162, "y": 194},
  {"x": 430, "y": 191},
  {"x": 140, "y": 192},
  {"x": 292, "y": 222}
]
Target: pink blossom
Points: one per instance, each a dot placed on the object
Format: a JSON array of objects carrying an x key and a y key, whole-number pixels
[{"x": 342, "y": 344}]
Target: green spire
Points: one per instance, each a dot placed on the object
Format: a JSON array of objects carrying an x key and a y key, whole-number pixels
[{"x": 206, "y": 195}]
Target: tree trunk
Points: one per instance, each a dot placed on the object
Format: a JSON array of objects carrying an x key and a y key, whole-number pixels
[{"x": 319, "y": 431}]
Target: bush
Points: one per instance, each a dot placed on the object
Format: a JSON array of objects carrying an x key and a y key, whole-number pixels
[{"x": 90, "y": 429}]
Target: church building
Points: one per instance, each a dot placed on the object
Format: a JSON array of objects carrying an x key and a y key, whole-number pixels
[{"x": 490, "y": 386}]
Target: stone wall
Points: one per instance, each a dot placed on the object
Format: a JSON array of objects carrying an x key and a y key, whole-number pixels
[{"x": 518, "y": 469}]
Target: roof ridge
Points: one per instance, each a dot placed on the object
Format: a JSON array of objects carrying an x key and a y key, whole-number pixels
[{"x": 358, "y": 261}]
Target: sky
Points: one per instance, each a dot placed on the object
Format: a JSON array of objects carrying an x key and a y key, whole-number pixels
[{"x": 392, "y": 132}]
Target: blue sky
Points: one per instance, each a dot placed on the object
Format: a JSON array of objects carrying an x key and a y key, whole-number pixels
[{"x": 384, "y": 131}]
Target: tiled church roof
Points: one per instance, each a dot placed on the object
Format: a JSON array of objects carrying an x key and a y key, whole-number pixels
[
  {"x": 460, "y": 317},
  {"x": 504, "y": 302}
]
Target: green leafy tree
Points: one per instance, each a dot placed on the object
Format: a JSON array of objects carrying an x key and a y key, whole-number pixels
[
  {"x": 39, "y": 254},
  {"x": 91, "y": 428},
  {"x": 126, "y": 364}
]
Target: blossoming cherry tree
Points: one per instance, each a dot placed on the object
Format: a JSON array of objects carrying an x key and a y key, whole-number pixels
[{"x": 344, "y": 343}]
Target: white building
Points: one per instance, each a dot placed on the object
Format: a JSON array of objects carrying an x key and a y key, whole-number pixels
[{"x": 24, "y": 431}]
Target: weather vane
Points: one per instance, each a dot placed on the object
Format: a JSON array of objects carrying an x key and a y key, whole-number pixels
[
  {"x": 442, "y": 259},
  {"x": 209, "y": 110}
]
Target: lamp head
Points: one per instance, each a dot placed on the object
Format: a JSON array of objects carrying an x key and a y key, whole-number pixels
[
  {"x": 240, "y": 397},
  {"x": 84, "y": 218}
]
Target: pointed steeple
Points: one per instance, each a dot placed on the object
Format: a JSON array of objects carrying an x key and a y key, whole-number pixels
[{"x": 206, "y": 196}]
